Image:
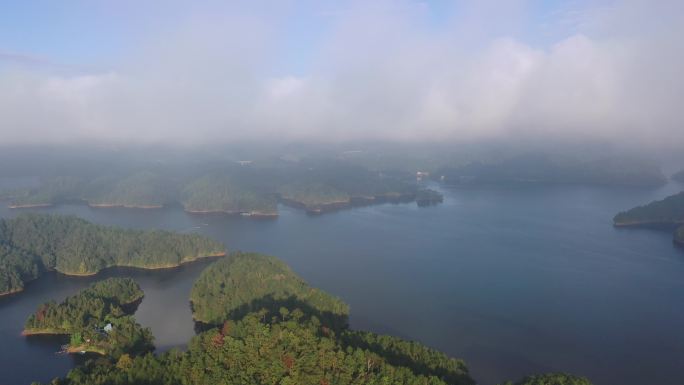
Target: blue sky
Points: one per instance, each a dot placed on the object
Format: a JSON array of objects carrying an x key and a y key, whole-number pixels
[{"x": 99, "y": 34}]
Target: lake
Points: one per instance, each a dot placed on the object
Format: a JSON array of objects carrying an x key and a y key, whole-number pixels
[{"x": 513, "y": 279}]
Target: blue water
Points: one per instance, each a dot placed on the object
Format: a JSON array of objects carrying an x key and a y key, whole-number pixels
[{"x": 514, "y": 280}]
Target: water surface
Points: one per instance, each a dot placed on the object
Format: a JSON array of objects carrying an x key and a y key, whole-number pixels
[{"x": 512, "y": 279}]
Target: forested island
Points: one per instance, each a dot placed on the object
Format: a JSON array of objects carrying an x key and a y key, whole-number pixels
[
  {"x": 31, "y": 244},
  {"x": 232, "y": 189},
  {"x": 96, "y": 319},
  {"x": 266, "y": 328},
  {"x": 668, "y": 211}
]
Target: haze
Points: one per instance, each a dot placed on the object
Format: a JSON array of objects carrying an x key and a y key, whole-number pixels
[{"x": 175, "y": 72}]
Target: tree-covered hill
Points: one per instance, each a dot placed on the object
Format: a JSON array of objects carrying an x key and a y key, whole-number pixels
[
  {"x": 667, "y": 211},
  {"x": 313, "y": 196},
  {"x": 96, "y": 318},
  {"x": 52, "y": 190},
  {"x": 250, "y": 352},
  {"x": 246, "y": 282},
  {"x": 33, "y": 243},
  {"x": 144, "y": 189},
  {"x": 220, "y": 193}
]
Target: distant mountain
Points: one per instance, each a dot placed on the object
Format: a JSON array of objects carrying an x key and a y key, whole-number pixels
[{"x": 543, "y": 168}]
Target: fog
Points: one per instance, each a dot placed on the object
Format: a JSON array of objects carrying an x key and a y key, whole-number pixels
[{"x": 328, "y": 71}]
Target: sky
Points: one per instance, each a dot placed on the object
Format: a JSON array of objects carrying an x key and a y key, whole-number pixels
[{"x": 397, "y": 70}]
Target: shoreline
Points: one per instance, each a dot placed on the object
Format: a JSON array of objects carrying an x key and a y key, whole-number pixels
[
  {"x": 82, "y": 349},
  {"x": 26, "y": 332},
  {"x": 30, "y": 206},
  {"x": 125, "y": 206},
  {"x": 158, "y": 267},
  {"x": 352, "y": 202},
  {"x": 44, "y": 332},
  {"x": 8, "y": 293},
  {"x": 252, "y": 214},
  {"x": 317, "y": 208},
  {"x": 154, "y": 267},
  {"x": 647, "y": 223}
]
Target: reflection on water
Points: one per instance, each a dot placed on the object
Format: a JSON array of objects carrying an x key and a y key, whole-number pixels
[{"x": 513, "y": 279}]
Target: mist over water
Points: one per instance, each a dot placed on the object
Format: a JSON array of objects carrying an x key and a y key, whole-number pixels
[{"x": 514, "y": 279}]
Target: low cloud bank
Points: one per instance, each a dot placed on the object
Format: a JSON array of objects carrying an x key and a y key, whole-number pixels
[{"x": 381, "y": 71}]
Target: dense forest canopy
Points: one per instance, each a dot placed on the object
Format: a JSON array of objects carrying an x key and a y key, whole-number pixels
[
  {"x": 667, "y": 211},
  {"x": 96, "y": 318},
  {"x": 248, "y": 282},
  {"x": 219, "y": 193},
  {"x": 51, "y": 190},
  {"x": 16, "y": 267},
  {"x": 139, "y": 189},
  {"x": 249, "y": 351},
  {"x": 32, "y": 243}
]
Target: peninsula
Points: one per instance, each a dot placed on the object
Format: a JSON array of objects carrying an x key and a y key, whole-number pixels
[
  {"x": 668, "y": 211},
  {"x": 96, "y": 319},
  {"x": 31, "y": 244}
]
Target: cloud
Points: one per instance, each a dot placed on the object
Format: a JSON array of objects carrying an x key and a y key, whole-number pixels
[{"x": 378, "y": 70}]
